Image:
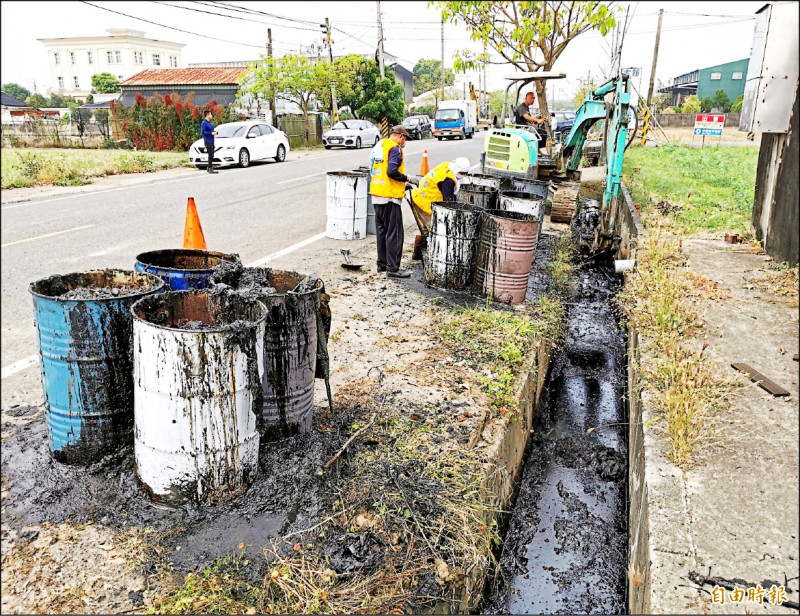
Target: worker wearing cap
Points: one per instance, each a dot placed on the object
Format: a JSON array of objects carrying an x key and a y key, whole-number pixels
[
  {"x": 442, "y": 183},
  {"x": 388, "y": 181}
]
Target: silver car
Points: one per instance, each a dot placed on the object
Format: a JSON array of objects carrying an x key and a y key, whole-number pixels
[{"x": 351, "y": 134}]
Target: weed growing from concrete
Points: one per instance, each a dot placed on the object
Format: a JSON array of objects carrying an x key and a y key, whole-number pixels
[
  {"x": 664, "y": 303},
  {"x": 779, "y": 281},
  {"x": 497, "y": 342}
]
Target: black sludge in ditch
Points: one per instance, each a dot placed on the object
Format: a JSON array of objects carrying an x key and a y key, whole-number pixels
[{"x": 565, "y": 550}]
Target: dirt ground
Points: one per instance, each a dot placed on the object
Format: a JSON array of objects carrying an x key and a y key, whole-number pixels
[{"x": 78, "y": 540}]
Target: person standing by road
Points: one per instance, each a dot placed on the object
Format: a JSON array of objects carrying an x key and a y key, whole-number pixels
[
  {"x": 207, "y": 128},
  {"x": 442, "y": 183},
  {"x": 388, "y": 181}
]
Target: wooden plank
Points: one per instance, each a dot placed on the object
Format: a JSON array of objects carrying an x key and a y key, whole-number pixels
[{"x": 762, "y": 381}]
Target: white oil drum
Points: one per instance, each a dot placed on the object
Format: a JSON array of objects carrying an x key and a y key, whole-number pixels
[
  {"x": 346, "y": 205},
  {"x": 197, "y": 370}
]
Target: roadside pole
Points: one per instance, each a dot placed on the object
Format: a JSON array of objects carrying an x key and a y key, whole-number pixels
[
  {"x": 384, "y": 120},
  {"x": 334, "y": 105}
]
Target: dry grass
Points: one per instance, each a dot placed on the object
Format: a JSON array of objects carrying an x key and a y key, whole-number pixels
[
  {"x": 780, "y": 283},
  {"x": 407, "y": 500},
  {"x": 665, "y": 303}
]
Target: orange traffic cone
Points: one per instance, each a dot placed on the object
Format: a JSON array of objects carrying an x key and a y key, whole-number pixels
[
  {"x": 193, "y": 232},
  {"x": 424, "y": 168}
]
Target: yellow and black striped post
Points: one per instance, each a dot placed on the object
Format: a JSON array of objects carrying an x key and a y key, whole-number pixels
[{"x": 385, "y": 127}]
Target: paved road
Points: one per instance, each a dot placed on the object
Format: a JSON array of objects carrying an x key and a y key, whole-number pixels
[{"x": 256, "y": 212}]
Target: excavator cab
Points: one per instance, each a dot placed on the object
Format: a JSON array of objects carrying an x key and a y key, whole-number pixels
[{"x": 512, "y": 150}]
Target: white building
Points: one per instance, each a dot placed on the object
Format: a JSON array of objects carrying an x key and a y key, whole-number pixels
[{"x": 122, "y": 53}]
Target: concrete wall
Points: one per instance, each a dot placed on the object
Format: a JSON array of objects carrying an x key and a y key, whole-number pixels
[
  {"x": 687, "y": 119},
  {"x": 507, "y": 439},
  {"x": 775, "y": 208}
]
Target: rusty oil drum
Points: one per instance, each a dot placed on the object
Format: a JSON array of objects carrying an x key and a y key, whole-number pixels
[
  {"x": 505, "y": 255},
  {"x": 450, "y": 258}
]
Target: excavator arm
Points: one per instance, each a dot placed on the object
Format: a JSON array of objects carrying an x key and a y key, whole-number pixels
[{"x": 610, "y": 102}]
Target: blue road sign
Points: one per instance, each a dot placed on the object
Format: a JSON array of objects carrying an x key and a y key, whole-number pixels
[{"x": 711, "y": 132}]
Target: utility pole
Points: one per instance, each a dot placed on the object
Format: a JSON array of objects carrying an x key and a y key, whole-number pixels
[
  {"x": 273, "y": 119},
  {"x": 334, "y": 105},
  {"x": 441, "y": 98},
  {"x": 380, "y": 42},
  {"x": 655, "y": 58}
]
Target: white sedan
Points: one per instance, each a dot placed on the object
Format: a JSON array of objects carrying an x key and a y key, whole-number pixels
[
  {"x": 351, "y": 134},
  {"x": 240, "y": 143}
]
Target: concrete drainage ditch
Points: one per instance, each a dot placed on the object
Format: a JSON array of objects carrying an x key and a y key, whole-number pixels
[{"x": 565, "y": 545}]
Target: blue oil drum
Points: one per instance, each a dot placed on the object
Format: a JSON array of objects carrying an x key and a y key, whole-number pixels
[
  {"x": 85, "y": 337},
  {"x": 182, "y": 268}
]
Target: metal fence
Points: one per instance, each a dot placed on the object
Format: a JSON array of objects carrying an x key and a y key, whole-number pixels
[{"x": 299, "y": 132}]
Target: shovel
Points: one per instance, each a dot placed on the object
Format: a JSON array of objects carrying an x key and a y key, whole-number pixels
[{"x": 347, "y": 265}]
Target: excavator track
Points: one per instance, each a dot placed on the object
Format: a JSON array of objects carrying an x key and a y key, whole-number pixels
[{"x": 564, "y": 201}]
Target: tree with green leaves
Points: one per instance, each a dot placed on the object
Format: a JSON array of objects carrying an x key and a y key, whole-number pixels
[
  {"x": 691, "y": 105},
  {"x": 16, "y": 90},
  {"x": 385, "y": 99},
  {"x": 37, "y": 100},
  {"x": 721, "y": 100},
  {"x": 428, "y": 77},
  {"x": 104, "y": 83},
  {"x": 530, "y": 36},
  {"x": 345, "y": 71},
  {"x": 293, "y": 77},
  {"x": 706, "y": 104},
  {"x": 372, "y": 99},
  {"x": 736, "y": 106}
]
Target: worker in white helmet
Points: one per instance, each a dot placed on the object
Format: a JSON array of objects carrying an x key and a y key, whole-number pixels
[{"x": 442, "y": 183}]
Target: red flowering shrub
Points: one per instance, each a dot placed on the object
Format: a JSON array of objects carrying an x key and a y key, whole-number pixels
[{"x": 163, "y": 123}]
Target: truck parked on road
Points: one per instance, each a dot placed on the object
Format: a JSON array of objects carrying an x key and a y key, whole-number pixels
[{"x": 455, "y": 119}]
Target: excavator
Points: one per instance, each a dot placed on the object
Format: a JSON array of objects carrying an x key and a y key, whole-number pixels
[{"x": 512, "y": 151}]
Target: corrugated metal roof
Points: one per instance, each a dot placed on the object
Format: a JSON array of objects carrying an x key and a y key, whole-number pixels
[
  {"x": 185, "y": 76},
  {"x": 10, "y": 101}
]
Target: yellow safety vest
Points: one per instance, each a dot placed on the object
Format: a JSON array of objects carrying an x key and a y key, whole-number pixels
[
  {"x": 428, "y": 190},
  {"x": 381, "y": 185}
]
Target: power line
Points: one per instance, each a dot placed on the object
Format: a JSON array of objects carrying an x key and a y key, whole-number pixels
[
  {"x": 242, "y": 9},
  {"x": 257, "y": 21},
  {"x": 213, "y": 38}
]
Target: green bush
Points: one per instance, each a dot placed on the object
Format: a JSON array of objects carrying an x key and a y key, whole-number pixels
[
  {"x": 736, "y": 107},
  {"x": 691, "y": 105},
  {"x": 30, "y": 164},
  {"x": 136, "y": 162}
]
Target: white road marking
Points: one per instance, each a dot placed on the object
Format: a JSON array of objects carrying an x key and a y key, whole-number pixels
[
  {"x": 301, "y": 178},
  {"x": 41, "y": 237},
  {"x": 286, "y": 251},
  {"x": 19, "y": 366}
]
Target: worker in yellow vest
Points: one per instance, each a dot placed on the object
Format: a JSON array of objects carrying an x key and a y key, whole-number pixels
[
  {"x": 388, "y": 181},
  {"x": 442, "y": 183}
]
